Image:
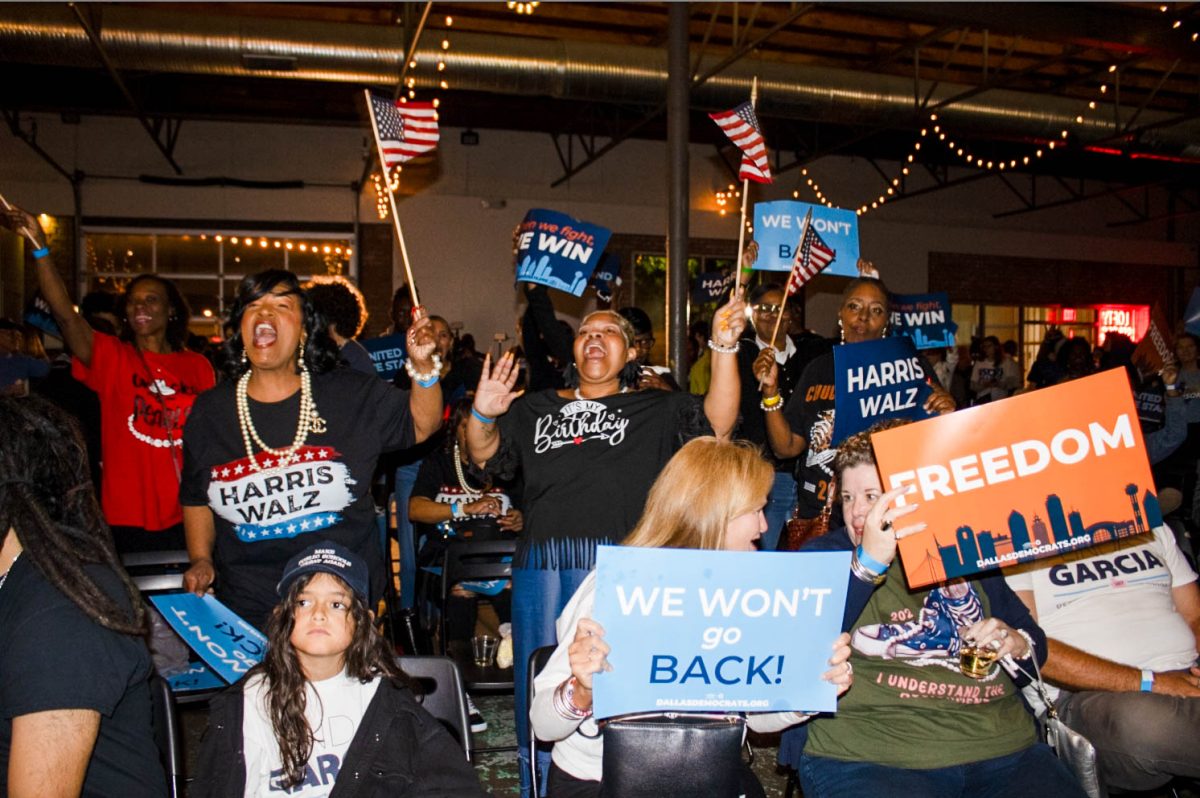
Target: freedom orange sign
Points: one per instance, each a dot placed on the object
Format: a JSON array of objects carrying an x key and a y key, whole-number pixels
[{"x": 1055, "y": 470}]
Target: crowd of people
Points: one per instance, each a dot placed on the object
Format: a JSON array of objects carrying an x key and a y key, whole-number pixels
[{"x": 260, "y": 460}]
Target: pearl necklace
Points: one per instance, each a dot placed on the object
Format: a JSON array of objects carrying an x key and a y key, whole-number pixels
[
  {"x": 470, "y": 493},
  {"x": 309, "y": 421}
]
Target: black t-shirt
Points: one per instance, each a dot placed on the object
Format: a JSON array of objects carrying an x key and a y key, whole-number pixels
[
  {"x": 809, "y": 412},
  {"x": 753, "y": 426},
  {"x": 438, "y": 481},
  {"x": 263, "y": 518},
  {"x": 53, "y": 657},
  {"x": 587, "y": 466}
]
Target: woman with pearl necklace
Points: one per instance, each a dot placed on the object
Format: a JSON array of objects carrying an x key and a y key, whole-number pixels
[{"x": 280, "y": 455}]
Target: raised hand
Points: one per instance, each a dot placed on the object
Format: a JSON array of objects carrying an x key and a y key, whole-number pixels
[
  {"x": 766, "y": 371},
  {"x": 495, "y": 393},
  {"x": 588, "y": 653},
  {"x": 22, "y": 223},
  {"x": 420, "y": 340},
  {"x": 879, "y": 535},
  {"x": 730, "y": 320}
]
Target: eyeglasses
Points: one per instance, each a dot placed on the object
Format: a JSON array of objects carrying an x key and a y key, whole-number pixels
[
  {"x": 762, "y": 308},
  {"x": 644, "y": 340}
]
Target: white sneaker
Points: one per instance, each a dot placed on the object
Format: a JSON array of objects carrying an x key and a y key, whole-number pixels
[{"x": 475, "y": 717}]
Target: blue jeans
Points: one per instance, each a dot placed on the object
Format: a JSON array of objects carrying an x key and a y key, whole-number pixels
[
  {"x": 1031, "y": 773},
  {"x": 538, "y": 597},
  {"x": 406, "y": 478},
  {"x": 780, "y": 503}
]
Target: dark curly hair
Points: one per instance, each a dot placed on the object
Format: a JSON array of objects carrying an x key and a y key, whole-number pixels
[
  {"x": 856, "y": 449},
  {"x": 340, "y": 302},
  {"x": 320, "y": 352},
  {"x": 367, "y": 658},
  {"x": 177, "y": 319},
  {"x": 46, "y": 496}
]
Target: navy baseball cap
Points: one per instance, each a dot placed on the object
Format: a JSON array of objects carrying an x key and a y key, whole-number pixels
[{"x": 327, "y": 558}]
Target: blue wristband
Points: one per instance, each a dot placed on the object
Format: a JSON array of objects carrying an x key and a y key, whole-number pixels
[
  {"x": 1147, "y": 680},
  {"x": 481, "y": 416},
  {"x": 41, "y": 253},
  {"x": 429, "y": 383},
  {"x": 870, "y": 563}
]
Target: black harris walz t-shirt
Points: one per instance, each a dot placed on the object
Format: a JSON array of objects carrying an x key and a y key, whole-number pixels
[
  {"x": 588, "y": 466},
  {"x": 323, "y": 493}
]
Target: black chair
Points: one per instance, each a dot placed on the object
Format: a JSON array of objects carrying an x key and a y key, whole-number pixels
[
  {"x": 442, "y": 694},
  {"x": 475, "y": 561},
  {"x": 537, "y": 661},
  {"x": 166, "y": 734}
]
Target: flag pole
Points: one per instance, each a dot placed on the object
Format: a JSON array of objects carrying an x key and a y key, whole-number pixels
[
  {"x": 737, "y": 280},
  {"x": 387, "y": 186},
  {"x": 791, "y": 275}
]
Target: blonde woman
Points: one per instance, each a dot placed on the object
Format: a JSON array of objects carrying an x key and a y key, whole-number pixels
[{"x": 711, "y": 496}]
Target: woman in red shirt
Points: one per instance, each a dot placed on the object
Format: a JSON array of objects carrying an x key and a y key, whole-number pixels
[{"x": 146, "y": 380}]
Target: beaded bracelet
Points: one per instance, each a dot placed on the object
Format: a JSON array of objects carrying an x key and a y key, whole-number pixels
[
  {"x": 1028, "y": 643},
  {"x": 771, "y": 407},
  {"x": 722, "y": 350},
  {"x": 427, "y": 379},
  {"x": 481, "y": 416},
  {"x": 564, "y": 702}
]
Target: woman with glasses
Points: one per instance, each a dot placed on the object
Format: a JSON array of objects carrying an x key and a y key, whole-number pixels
[
  {"x": 790, "y": 354},
  {"x": 805, "y": 427}
]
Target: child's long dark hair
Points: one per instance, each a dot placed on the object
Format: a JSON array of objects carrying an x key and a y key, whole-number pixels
[{"x": 368, "y": 657}]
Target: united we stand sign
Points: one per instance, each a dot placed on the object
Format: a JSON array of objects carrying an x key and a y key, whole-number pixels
[{"x": 1036, "y": 475}]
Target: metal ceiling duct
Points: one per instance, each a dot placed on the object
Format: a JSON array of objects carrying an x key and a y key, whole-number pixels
[{"x": 148, "y": 39}]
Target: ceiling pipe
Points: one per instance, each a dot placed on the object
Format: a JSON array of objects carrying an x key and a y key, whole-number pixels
[{"x": 149, "y": 39}]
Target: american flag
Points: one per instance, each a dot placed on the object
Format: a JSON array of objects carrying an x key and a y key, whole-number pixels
[
  {"x": 741, "y": 125},
  {"x": 813, "y": 256},
  {"x": 406, "y": 130}
]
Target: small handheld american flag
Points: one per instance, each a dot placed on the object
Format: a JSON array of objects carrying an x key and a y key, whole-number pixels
[
  {"x": 406, "y": 130},
  {"x": 741, "y": 125},
  {"x": 812, "y": 256}
]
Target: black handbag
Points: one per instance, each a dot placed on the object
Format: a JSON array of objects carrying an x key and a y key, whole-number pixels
[{"x": 673, "y": 755}]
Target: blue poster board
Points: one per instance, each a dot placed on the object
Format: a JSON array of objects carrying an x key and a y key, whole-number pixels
[
  {"x": 387, "y": 353},
  {"x": 196, "y": 678},
  {"x": 874, "y": 381},
  {"x": 604, "y": 280},
  {"x": 717, "y": 630},
  {"x": 777, "y": 227},
  {"x": 228, "y": 644},
  {"x": 925, "y": 318},
  {"x": 558, "y": 251}
]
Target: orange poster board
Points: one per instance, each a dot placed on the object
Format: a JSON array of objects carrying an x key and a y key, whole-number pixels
[{"x": 1033, "y": 476}]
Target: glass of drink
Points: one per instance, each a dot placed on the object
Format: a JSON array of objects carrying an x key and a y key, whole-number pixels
[
  {"x": 483, "y": 649},
  {"x": 976, "y": 661}
]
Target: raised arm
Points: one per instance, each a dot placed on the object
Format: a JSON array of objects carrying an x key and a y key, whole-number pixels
[
  {"x": 493, "y": 396},
  {"x": 725, "y": 391},
  {"x": 76, "y": 332},
  {"x": 784, "y": 443},
  {"x": 425, "y": 398}
]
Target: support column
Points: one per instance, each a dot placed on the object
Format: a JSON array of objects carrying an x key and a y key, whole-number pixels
[{"x": 678, "y": 90}]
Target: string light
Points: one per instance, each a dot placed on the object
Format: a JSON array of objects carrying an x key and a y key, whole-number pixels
[
  {"x": 523, "y": 8},
  {"x": 723, "y": 198}
]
